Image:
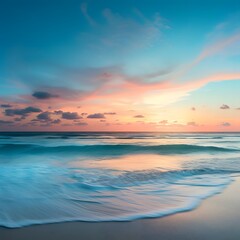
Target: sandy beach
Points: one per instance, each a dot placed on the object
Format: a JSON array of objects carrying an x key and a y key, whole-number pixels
[{"x": 216, "y": 218}]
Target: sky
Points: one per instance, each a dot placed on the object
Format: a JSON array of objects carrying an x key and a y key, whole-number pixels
[{"x": 120, "y": 65}]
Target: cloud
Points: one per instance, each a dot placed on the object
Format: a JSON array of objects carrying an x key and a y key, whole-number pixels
[
  {"x": 110, "y": 113},
  {"x": 164, "y": 122},
  {"x": 84, "y": 9},
  {"x": 226, "y": 124},
  {"x": 138, "y": 116},
  {"x": 43, "y": 95},
  {"x": 66, "y": 93},
  {"x": 81, "y": 124},
  {"x": 3, "y": 122},
  {"x": 58, "y": 112},
  {"x": 224, "y": 106},
  {"x": 22, "y": 112},
  {"x": 122, "y": 34},
  {"x": 81, "y": 83},
  {"x": 218, "y": 46},
  {"x": 70, "y": 115},
  {"x": 193, "y": 124},
  {"x": 118, "y": 88},
  {"x": 18, "y": 119},
  {"x": 131, "y": 32},
  {"x": 46, "y": 119},
  {"x": 5, "y": 106},
  {"x": 56, "y": 121},
  {"x": 44, "y": 116},
  {"x": 96, "y": 115},
  {"x": 66, "y": 125}
]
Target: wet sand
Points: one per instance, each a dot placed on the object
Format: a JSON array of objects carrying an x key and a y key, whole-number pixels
[{"x": 216, "y": 218}]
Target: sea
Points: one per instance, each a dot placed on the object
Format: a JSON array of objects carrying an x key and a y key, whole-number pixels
[{"x": 50, "y": 177}]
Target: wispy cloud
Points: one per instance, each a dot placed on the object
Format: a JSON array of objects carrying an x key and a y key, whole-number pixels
[
  {"x": 84, "y": 9},
  {"x": 218, "y": 45},
  {"x": 121, "y": 33}
]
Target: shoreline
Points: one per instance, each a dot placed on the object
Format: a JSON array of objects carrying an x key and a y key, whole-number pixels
[{"x": 217, "y": 217}]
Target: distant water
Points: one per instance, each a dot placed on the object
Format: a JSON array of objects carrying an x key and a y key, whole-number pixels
[{"x": 58, "y": 177}]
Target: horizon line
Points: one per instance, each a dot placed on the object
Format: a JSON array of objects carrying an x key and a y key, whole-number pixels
[{"x": 119, "y": 132}]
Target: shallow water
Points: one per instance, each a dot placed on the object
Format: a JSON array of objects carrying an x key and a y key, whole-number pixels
[{"x": 57, "y": 177}]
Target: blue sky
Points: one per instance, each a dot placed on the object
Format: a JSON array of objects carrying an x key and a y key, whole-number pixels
[{"x": 89, "y": 56}]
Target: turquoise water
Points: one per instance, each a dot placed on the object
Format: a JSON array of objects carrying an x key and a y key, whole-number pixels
[{"x": 58, "y": 177}]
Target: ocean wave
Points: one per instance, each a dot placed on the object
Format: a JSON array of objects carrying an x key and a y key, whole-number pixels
[
  {"x": 93, "y": 198},
  {"x": 136, "y": 178},
  {"x": 58, "y": 177},
  {"x": 112, "y": 149},
  {"x": 118, "y": 135}
]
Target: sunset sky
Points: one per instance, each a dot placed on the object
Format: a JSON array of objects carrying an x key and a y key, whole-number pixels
[{"x": 120, "y": 65}]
